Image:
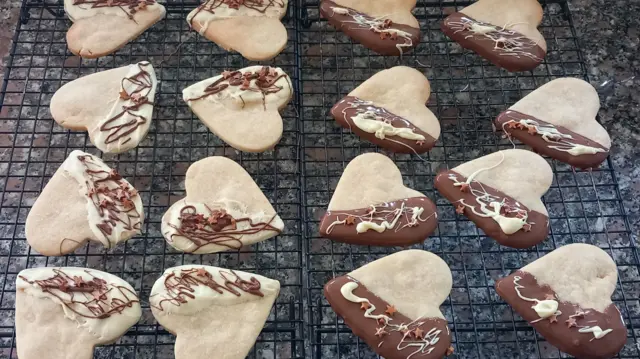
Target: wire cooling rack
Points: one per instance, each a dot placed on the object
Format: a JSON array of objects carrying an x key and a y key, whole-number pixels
[{"x": 299, "y": 177}]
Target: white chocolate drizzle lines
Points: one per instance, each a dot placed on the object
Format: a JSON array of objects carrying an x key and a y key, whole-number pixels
[
  {"x": 379, "y": 25},
  {"x": 556, "y": 139},
  {"x": 506, "y": 42},
  {"x": 423, "y": 343}
]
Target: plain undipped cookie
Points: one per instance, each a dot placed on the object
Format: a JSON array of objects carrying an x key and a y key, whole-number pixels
[
  {"x": 502, "y": 31},
  {"x": 64, "y": 313},
  {"x": 384, "y": 26},
  {"x": 85, "y": 200},
  {"x": 559, "y": 120},
  {"x": 114, "y": 106},
  {"x": 566, "y": 296},
  {"x": 214, "y": 312},
  {"x": 224, "y": 209},
  {"x": 241, "y": 107},
  {"x": 101, "y": 27},
  {"x": 389, "y": 110},
  {"x": 393, "y": 304},
  {"x": 251, "y": 27},
  {"x": 372, "y": 206},
  {"x": 501, "y": 193}
]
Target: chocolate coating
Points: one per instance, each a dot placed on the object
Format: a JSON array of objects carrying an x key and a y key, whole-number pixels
[
  {"x": 368, "y": 35},
  {"x": 350, "y": 106},
  {"x": 402, "y": 234},
  {"x": 558, "y": 333},
  {"x": 538, "y": 144},
  {"x": 520, "y": 239},
  {"x": 365, "y": 328},
  {"x": 529, "y": 57}
]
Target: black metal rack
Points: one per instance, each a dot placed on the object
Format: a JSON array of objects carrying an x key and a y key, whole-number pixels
[{"x": 300, "y": 175}]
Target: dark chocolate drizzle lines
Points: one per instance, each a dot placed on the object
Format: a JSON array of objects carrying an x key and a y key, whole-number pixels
[
  {"x": 180, "y": 287},
  {"x": 260, "y": 6},
  {"x": 129, "y": 7},
  {"x": 139, "y": 97},
  {"x": 87, "y": 298},
  {"x": 216, "y": 227}
]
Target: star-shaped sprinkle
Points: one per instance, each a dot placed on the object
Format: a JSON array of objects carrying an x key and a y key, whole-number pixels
[
  {"x": 418, "y": 333},
  {"x": 350, "y": 220},
  {"x": 383, "y": 35},
  {"x": 226, "y": 74},
  {"x": 449, "y": 351},
  {"x": 526, "y": 227},
  {"x": 78, "y": 281},
  {"x": 124, "y": 95},
  {"x": 532, "y": 130},
  {"x": 96, "y": 294},
  {"x": 141, "y": 5},
  {"x": 553, "y": 319},
  {"x": 365, "y": 305},
  {"x": 521, "y": 126},
  {"x": 201, "y": 272},
  {"x": 380, "y": 332},
  {"x": 512, "y": 124},
  {"x": 464, "y": 187},
  {"x": 460, "y": 209},
  {"x": 391, "y": 310},
  {"x": 549, "y": 296},
  {"x": 381, "y": 321},
  {"x": 420, "y": 143},
  {"x": 571, "y": 322}
]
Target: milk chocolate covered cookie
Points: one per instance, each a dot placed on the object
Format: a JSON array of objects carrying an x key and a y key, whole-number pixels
[
  {"x": 241, "y": 107},
  {"x": 385, "y": 26},
  {"x": 559, "y": 120},
  {"x": 250, "y": 27},
  {"x": 63, "y": 313},
  {"x": 389, "y": 110},
  {"x": 502, "y": 31},
  {"x": 566, "y": 297},
  {"x": 113, "y": 106},
  {"x": 393, "y": 307},
  {"x": 101, "y": 27},
  {"x": 85, "y": 200},
  {"x": 501, "y": 194},
  {"x": 214, "y": 312},
  {"x": 371, "y": 206},
  {"x": 224, "y": 210}
]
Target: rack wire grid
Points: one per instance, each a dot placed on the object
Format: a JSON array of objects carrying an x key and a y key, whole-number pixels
[{"x": 299, "y": 176}]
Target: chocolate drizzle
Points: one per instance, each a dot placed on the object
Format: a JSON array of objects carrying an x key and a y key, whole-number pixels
[
  {"x": 502, "y": 47},
  {"x": 377, "y": 33},
  {"x": 129, "y": 7},
  {"x": 262, "y": 81},
  {"x": 181, "y": 286},
  {"x": 581, "y": 332},
  {"x": 478, "y": 202},
  {"x": 388, "y": 332},
  {"x": 111, "y": 196},
  {"x": 552, "y": 140},
  {"x": 138, "y": 97},
  {"x": 216, "y": 227},
  {"x": 91, "y": 299},
  {"x": 398, "y": 223},
  {"x": 394, "y": 133},
  {"x": 260, "y": 6}
]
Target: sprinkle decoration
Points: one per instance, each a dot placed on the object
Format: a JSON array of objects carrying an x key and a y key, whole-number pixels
[
  {"x": 91, "y": 299},
  {"x": 180, "y": 285},
  {"x": 262, "y": 81},
  {"x": 216, "y": 226}
]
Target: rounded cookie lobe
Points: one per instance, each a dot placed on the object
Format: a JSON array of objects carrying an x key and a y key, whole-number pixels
[
  {"x": 571, "y": 309},
  {"x": 377, "y": 33},
  {"x": 393, "y": 308}
]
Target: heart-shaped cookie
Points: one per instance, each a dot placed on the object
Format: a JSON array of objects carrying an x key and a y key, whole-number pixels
[
  {"x": 389, "y": 110},
  {"x": 394, "y": 306},
  {"x": 101, "y": 27},
  {"x": 113, "y": 106},
  {"x": 559, "y": 120},
  {"x": 502, "y": 31},
  {"x": 384, "y": 26},
  {"x": 251, "y": 27},
  {"x": 85, "y": 200},
  {"x": 214, "y": 312},
  {"x": 372, "y": 206},
  {"x": 224, "y": 210},
  {"x": 501, "y": 193},
  {"x": 566, "y": 297},
  {"x": 66, "y": 312},
  {"x": 241, "y": 107}
]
